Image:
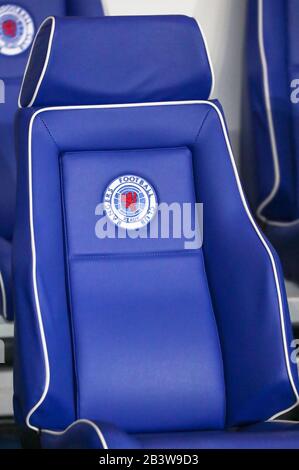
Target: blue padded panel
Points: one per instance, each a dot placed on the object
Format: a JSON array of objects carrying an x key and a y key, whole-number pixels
[
  {"x": 58, "y": 409},
  {"x": 147, "y": 300},
  {"x": 102, "y": 73},
  {"x": 90, "y": 173},
  {"x": 151, "y": 361},
  {"x": 257, "y": 382}
]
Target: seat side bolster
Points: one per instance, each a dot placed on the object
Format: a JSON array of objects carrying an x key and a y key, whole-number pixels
[{"x": 86, "y": 434}]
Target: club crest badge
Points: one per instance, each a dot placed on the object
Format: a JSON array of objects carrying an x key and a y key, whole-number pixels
[
  {"x": 16, "y": 30},
  {"x": 130, "y": 202}
]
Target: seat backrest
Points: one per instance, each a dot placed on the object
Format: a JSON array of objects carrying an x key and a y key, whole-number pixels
[
  {"x": 18, "y": 25},
  {"x": 147, "y": 333},
  {"x": 273, "y": 149}
]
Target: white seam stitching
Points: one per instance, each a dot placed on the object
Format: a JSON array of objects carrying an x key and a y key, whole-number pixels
[{"x": 273, "y": 264}]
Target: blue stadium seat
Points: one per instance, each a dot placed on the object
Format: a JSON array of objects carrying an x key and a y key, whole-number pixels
[
  {"x": 18, "y": 25},
  {"x": 148, "y": 342},
  {"x": 270, "y": 167}
]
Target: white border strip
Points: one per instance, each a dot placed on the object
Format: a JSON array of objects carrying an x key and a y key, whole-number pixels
[
  {"x": 3, "y": 293},
  {"x": 268, "y": 106},
  {"x": 81, "y": 421},
  {"x": 47, "y": 58},
  {"x": 243, "y": 199}
]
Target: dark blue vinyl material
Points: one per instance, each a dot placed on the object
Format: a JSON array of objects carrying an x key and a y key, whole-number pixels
[
  {"x": 5, "y": 281},
  {"x": 90, "y": 8},
  {"x": 164, "y": 391},
  {"x": 11, "y": 72},
  {"x": 262, "y": 436},
  {"x": 147, "y": 335},
  {"x": 270, "y": 165}
]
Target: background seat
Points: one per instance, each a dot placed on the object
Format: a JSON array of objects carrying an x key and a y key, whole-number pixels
[
  {"x": 13, "y": 60},
  {"x": 270, "y": 153}
]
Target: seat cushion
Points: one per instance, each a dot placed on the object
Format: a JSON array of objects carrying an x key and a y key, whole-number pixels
[
  {"x": 151, "y": 361},
  {"x": 262, "y": 436}
]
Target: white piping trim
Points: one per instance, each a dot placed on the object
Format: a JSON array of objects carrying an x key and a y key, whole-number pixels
[
  {"x": 244, "y": 202},
  {"x": 3, "y": 293},
  {"x": 280, "y": 413},
  {"x": 81, "y": 421},
  {"x": 286, "y": 421},
  {"x": 276, "y": 223},
  {"x": 50, "y": 18},
  {"x": 268, "y": 106}
]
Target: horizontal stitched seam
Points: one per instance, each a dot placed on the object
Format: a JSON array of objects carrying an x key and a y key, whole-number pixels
[
  {"x": 95, "y": 257},
  {"x": 130, "y": 150}
]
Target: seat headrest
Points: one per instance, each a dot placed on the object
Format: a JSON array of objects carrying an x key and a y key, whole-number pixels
[{"x": 114, "y": 60}]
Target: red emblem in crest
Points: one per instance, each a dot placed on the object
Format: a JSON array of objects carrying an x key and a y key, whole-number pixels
[
  {"x": 9, "y": 28},
  {"x": 129, "y": 200}
]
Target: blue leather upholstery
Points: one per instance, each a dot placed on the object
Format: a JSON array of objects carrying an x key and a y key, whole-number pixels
[
  {"x": 162, "y": 341},
  {"x": 11, "y": 72},
  {"x": 163, "y": 76},
  {"x": 261, "y": 436},
  {"x": 271, "y": 153}
]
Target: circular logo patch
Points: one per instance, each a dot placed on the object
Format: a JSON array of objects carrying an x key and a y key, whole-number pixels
[
  {"x": 130, "y": 202},
  {"x": 16, "y": 30}
]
